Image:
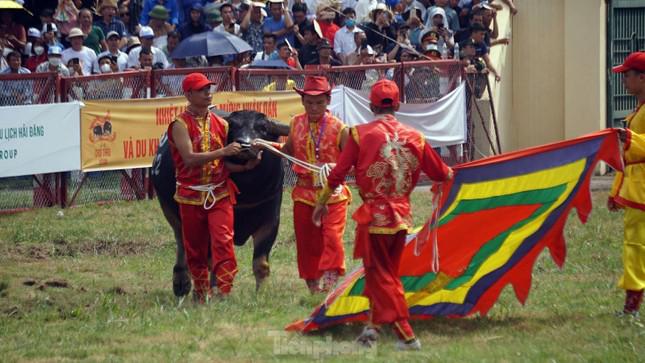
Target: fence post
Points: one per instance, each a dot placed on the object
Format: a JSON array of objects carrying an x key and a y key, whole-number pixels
[{"x": 150, "y": 79}]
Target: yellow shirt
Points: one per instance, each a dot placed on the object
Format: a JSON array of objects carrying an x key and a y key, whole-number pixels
[
  {"x": 629, "y": 187},
  {"x": 289, "y": 85}
]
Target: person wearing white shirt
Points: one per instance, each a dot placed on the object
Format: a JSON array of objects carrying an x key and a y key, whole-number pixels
[
  {"x": 85, "y": 55},
  {"x": 113, "y": 41},
  {"x": 344, "y": 43},
  {"x": 147, "y": 37},
  {"x": 228, "y": 20}
]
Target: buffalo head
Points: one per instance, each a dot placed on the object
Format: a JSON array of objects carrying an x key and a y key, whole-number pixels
[{"x": 245, "y": 126}]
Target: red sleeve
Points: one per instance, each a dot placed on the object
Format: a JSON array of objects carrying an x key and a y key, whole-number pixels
[
  {"x": 432, "y": 165},
  {"x": 346, "y": 160}
]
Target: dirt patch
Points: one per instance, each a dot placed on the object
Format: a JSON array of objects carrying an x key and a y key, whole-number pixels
[
  {"x": 62, "y": 248},
  {"x": 29, "y": 282},
  {"x": 117, "y": 290},
  {"x": 57, "y": 283}
]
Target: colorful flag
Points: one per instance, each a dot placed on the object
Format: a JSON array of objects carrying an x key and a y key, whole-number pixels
[{"x": 494, "y": 219}]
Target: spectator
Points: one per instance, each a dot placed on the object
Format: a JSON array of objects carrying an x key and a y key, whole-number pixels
[
  {"x": 437, "y": 22},
  {"x": 75, "y": 68},
  {"x": 412, "y": 17},
  {"x": 146, "y": 35},
  {"x": 173, "y": 41},
  {"x": 109, "y": 22},
  {"x": 253, "y": 26},
  {"x": 279, "y": 83},
  {"x": 47, "y": 16},
  {"x": 132, "y": 43},
  {"x": 169, "y": 5},
  {"x": 113, "y": 41},
  {"x": 14, "y": 59},
  {"x": 146, "y": 59},
  {"x": 213, "y": 18},
  {"x": 478, "y": 32},
  {"x": 84, "y": 55},
  {"x": 381, "y": 24},
  {"x": 280, "y": 23},
  {"x": 32, "y": 35},
  {"x": 300, "y": 21},
  {"x": 131, "y": 22},
  {"x": 54, "y": 62},
  {"x": 309, "y": 50},
  {"x": 402, "y": 42},
  {"x": 194, "y": 24},
  {"x": 107, "y": 63},
  {"x": 3, "y": 59},
  {"x": 158, "y": 22},
  {"x": 452, "y": 18},
  {"x": 94, "y": 37},
  {"x": 325, "y": 55},
  {"x": 228, "y": 20},
  {"x": 364, "y": 9},
  {"x": 66, "y": 16},
  {"x": 325, "y": 19},
  {"x": 38, "y": 54},
  {"x": 431, "y": 51},
  {"x": 344, "y": 43},
  {"x": 269, "y": 51},
  {"x": 12, "y": 34},
  {"x": 49, "y": 35},
  {"x": 288, "y": 55},
  {"x": 360, "y": 39}
]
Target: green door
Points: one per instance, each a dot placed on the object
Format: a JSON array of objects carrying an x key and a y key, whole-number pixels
[{"x": 625, "y": 34}]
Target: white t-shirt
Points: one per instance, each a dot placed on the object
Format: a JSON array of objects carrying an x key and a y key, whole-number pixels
[
  {"x": 157, "y": 57},
  {"x": 236, "y": 29},
  {"x": 121, "y": 59},
  {"x": 86, "y": 56}
]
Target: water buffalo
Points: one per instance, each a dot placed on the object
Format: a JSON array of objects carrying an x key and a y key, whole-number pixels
[{"x": 257, "y": 212}]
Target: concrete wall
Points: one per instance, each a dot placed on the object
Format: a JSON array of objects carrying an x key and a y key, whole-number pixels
[{"x": 553, "y": 73}]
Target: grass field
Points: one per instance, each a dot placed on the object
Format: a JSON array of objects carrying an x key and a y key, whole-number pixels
[{"x": 95, "y": 284}]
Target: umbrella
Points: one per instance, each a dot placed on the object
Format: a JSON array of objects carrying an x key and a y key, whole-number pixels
[
  {"x": 12, "y": 5},
  {"x": 271, "y": 64},
  {"x": 210, "y": 43}
]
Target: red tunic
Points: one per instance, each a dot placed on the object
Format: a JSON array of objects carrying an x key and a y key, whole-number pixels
[
  {"x": 308, "y": 188},
  {"x": 205, "y": 135}
]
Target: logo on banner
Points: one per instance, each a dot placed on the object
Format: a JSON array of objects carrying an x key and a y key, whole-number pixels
[{"x": 101, "y": 129}]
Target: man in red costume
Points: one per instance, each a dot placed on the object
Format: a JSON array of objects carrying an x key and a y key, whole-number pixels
[
  {"x": 317, "y": 137},
  {"x": 388, "y": 158},
  {"x": 204, "y": 191}
]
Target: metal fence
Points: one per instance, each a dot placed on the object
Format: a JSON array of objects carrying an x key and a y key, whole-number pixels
[{"x": 420, "y": 82}]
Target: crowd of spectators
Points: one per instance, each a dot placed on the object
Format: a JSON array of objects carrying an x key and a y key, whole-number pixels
[{"x": 77, "y": 37}]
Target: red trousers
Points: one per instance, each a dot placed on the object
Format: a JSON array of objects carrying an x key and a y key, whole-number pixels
[
  {"x": 209, "y": 229},
  {"x": 321, "y": 248},
  {"x": 383, "y": 287}
]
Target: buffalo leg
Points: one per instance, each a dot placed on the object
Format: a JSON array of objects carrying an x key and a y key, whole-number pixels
[{"x": 181, "y": 283}]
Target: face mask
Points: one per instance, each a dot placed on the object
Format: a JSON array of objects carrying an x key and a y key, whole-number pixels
[
  {"x": 54, "y": 61},
  {"x": 39, "y": 50},
  {"x": 105, "y": 68},
  {"x": 350, "y": 23}
]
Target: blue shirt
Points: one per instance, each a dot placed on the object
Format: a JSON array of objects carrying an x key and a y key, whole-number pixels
[
  {"x": 170, "y": 5},
  {"x": 114, "y": 25},
  {"x": 271, "y": 25}
]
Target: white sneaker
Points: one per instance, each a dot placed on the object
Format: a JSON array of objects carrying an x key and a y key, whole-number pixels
[
  {"x": 413, "y": 344},
  {"x": 368, "y": 337}
]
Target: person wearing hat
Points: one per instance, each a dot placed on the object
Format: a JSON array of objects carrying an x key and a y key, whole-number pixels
[
  {"x": 160, "y": 26},
  {"x": 113, "y": 43},
  {"x": 146, "y": 35},
  {"x": 94, "y": 36},
  {"x": 325, "y": 55},
  {"x": 49, "y": 34},
  {"x": 169, "y": 6},
  {"x": 37, "y": 52},
  {"x": 385, "y": 181},
  {"x": 627, "y": 191},
  {"x": 252, "y": 26},
  {"x": 204, "y": 191},
  {"x": 109, "y": 22},
  {"x": 213, "y": 18},
  {"x": 325, "y": 17},
  {"x": 85, "y": 56},
  {"x": 54, "y": 62},
  {"x": 279, "y": 23},
  {"x": 381, "y": 19},
  {"x": 194, "y": 23},
  {"x": 317, "y": 137}
]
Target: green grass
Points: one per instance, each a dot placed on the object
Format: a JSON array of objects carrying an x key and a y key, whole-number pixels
[{"x": 118, "y": 305}]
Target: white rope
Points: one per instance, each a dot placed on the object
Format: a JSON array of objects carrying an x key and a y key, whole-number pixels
[
  {"x": 208, "y": 188},
  {"x": 433, "y": 235},
  {"x": 322, "y": 171}
]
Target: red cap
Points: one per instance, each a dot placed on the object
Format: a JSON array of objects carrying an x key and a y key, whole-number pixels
[
  {"x": 314, "y": 86},
  {"x": 195, "y": 82},
  {"x": 634, "y": 61},
  {"x": 385, "y": 93}
]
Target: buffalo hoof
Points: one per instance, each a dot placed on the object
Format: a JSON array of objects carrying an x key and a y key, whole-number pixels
[
  {"x": 181, "y": 284},
  {"x": 261, "y": 271}
]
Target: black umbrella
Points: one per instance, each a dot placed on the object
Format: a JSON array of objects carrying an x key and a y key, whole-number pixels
[{"x": 210, "y": 43}]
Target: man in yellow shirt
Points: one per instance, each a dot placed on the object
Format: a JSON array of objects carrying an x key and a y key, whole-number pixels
[{"x": 628, "y": 191}]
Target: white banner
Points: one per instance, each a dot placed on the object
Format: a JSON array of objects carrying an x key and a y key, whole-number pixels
[
  {"x": 38, "y": 139},
  {"x": 442, "y": 122}
]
